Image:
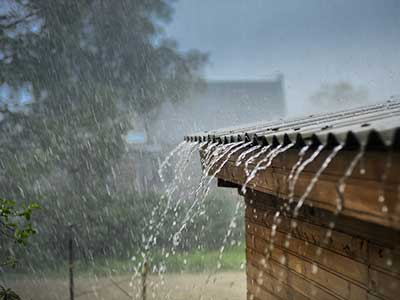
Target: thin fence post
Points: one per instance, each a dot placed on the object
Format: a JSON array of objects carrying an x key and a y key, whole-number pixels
[
  {"x": 71, "y": 263},
  {"x": 144, "y": 279}
]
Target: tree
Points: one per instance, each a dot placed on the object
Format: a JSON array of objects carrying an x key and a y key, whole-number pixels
[
  {"x": 15, "y": 226},
  {"x": 88, "y": 65},
  {"x": 339, "y": 94},
  {"x": 15, "y": 230}
]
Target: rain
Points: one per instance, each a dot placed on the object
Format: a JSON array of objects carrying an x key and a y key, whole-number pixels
[{"x": 199, "y": 149}]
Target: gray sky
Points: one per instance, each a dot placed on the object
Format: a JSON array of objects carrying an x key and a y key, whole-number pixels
[{"x": 312, "y": 42}]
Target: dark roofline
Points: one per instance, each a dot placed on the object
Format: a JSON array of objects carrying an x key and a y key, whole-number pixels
[
  {"x": 278, "y": 78},
  {"x": 375, "y": 126}
]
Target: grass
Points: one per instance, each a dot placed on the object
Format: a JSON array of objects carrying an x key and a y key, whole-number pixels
[
  {"x": 233, "y": 259},
  {"x": 199, "y": 261},
  {"x": 194, "y": 261}
]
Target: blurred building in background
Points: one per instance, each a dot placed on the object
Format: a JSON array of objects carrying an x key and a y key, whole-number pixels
[
  {"x": 220, "y": 104},
  {"x": 217, "y": 104}
]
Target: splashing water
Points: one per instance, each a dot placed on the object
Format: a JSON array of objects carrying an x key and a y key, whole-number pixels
[
  {"x": 221, "y": 152},
  {"x": 231, "y": 227},
  {"x": 229, "y": 154},
  {"x": 341, "y": 186},
  {"x": 302, "y": 152},
  {"x": 299, "y": 170},
  {"x": 243, "y": 155},
  {"x": 342, "y": 181},
  {"x": 381, "y": 197},
  {"x": 276, "y": 219},
  {"x": 204, "y": 186},
  {"x": 168, "y": 158},
  {"x": 182, "y": 153},
  {"x": 315, "y": 178},
  {"x": 308, "y": 190},
  {"x": 268, "y": 158},
  {"x": 292, "y": 180},
  {"x": 214, "y": 157},
  {"x": 254, "y": 157},
  {"x": 178, "y": 179},
  {"x": 213, "y": 153}
]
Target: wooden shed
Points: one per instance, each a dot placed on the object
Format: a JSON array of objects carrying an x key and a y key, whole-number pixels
[{"x": 322, "y": 198}]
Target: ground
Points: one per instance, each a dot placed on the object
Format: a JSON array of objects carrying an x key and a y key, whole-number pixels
[{"x": 184, "y": 286}]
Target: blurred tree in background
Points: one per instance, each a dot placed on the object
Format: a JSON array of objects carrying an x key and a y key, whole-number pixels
[
  {"x": 340, "y": 94},
  {"x": 15, "y": 227},
  {"x": 15, "y": 230},
  {"x": 75, "y": 72}
]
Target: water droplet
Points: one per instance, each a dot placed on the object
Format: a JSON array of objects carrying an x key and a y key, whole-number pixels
[
  {"x": 263, "y": 262},
  {"x": 389, "y": 262},
  {"x": 314, "y": 268},
  {"x": 176, "y": 239},
  {"x": 293, "y": 224},
  {"x": 282, "y": 260}
]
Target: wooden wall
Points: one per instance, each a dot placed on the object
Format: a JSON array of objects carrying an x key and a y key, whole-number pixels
[
  {"x": 358, "y": 260},
  {"x": 362, "y": 192}
]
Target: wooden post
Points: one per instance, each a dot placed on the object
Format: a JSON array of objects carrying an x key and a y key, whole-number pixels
[
  {"x": 144, "y": 278},
  {"x": 71, "y": 263}
]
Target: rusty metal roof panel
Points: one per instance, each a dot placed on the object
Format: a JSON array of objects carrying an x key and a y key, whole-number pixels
[{"x": 374, "y": 126}]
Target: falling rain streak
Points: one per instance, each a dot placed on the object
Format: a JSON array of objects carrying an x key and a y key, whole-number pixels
[
  {"x": 253, "y": 159},
  {"x": 99, "y": 197}
]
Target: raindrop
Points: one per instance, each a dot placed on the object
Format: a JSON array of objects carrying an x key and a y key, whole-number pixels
[
  {"x": 314, "y": 268},
  {"x": 389, "y": 262}
]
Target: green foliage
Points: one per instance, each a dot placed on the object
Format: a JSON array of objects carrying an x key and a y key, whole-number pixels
[
  {"x": 209, "y": 229},
  {"x": 15, "y": 229},
  {"x": 8, "y": 294},
  {"x": 90, "y": 66},
  {"x": 206, "y": 260},
  {"x": 120, "y": 227},
  {"x": 15, "y": 225},
  {"x": 192, "y": 261}
]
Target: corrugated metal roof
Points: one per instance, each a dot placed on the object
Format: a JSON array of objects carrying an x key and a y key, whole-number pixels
[{"x": 375, "y": 126}]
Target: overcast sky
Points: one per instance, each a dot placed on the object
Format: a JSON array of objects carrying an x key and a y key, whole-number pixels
[{"x": 311, "y": 42}]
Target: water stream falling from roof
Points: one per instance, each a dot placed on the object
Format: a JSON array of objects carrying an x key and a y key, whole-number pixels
[
  {"x": 340, "y": 189},
  {"x": 315, "y": 178},
  {"x": 300, "y": 169},
  {"x": 268, "y": 159},
  {"x": 383, "y": 183},
  {"x": 182, "y": 154},
  {"x": 252, "y": 159},
  {"x": 202, "y": 191},
  {"x": 243, "y": 155},
  {"x": 303, "y": 197}
]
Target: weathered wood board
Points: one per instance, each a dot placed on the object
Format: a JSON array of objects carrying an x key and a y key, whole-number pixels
[
  {"x": 362, "y": 262},
  {"x": 323, "y": 252},
  {"x": 372, "y": 192}
]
